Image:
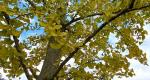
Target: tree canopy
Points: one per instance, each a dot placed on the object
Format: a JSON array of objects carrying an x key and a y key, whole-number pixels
[{"x": 80, "y": 30}]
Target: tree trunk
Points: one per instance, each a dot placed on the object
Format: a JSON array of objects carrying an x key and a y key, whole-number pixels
[{"x": 50, "y": 62}]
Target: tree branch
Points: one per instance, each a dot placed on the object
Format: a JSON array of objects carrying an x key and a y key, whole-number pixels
[
  {"x": 17, "y": 48},
  {"x": 44, "y": 2},
  {"x": 31, "y": 3},
  {"x": 131, "y": 4},
  {"x": 18, "y": 16},
  {"x": 99, "y": 14},
  {"x": 80, "y": 18},
  {"x": 134, "y": 9},
  {"x": 33, "y": 73},
  {"x": 93, "y": 34}
]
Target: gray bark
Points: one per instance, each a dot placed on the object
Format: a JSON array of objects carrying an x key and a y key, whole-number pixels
[{"x": 50, "y": 62}]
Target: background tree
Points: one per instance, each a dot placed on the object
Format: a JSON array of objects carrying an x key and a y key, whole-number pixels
[{"x": 74, "y": 29}]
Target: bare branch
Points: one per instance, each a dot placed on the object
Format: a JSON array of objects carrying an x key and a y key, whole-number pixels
[{"x": 94, "y": 33}]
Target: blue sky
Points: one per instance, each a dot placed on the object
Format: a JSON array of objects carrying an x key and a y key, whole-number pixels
[
  {"x": 32, "y": 32},
  {"x": 142, "y": 71}
]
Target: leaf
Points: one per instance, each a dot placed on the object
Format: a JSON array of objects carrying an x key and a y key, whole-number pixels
[
  {"x": 15, "y": 33},
  {"x": 4, "y": 27}
]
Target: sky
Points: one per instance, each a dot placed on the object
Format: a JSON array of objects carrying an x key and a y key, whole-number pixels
[{"x": 142, "y": 71}]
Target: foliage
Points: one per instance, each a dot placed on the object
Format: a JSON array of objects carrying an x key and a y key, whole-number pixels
[{"x": 74, "y": 29}]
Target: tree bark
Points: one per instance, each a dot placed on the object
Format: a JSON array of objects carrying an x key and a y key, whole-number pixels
[{"x": 50, "y": 64}]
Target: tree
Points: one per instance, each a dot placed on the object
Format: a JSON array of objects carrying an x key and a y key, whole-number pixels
[{"x": 74, "y": 29}]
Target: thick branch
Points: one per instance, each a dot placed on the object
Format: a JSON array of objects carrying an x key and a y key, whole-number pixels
[
  {"x": 18, "y": 49},
  {"x": 93, "y": 34},
  {"x": 134, "y": 9}
]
